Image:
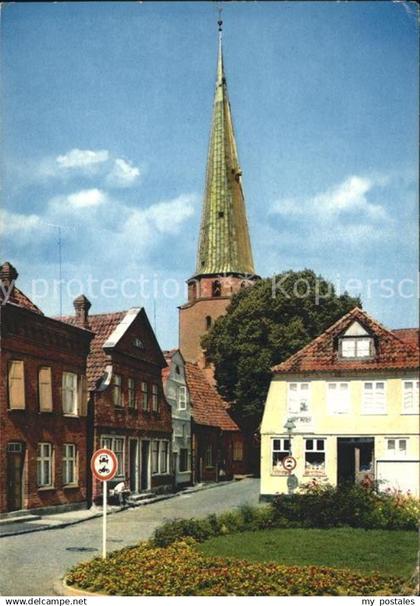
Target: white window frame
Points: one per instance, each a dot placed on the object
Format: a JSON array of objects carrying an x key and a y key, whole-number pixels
[
  {"x": 12, "y": 379},
  {"x": 108, "y": 441},
  {"x": 276, "y": 467},
  {"x": 41, "y": 459},
  {"x": 70, "y": 465},
  {"x": 373, "y": 408},
  {"x": 181, "y": 397},
  {"x": 45, "y": 393},
  {"x": 410, "y": 396},
  {"x": 395, "y": 452},
  {"x": 316, "y": 448},
  {"x": 356, "y": 341},
  {"x": 295, "y": 399},
  {"x": 334, "y": 398},
  {"x": 131, "y": 393},
  {"x": 163, "y": 468},
  {"x": 70, "y": 394}
]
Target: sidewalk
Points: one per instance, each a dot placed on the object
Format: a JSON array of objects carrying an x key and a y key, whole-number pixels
[{"x": 36, "y": 523}]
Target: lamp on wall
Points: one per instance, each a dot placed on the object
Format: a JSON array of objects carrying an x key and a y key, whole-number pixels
[{"x": 289, "y": 426}]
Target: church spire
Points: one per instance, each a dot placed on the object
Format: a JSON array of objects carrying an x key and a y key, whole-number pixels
[{"x": 224, "y": 246}]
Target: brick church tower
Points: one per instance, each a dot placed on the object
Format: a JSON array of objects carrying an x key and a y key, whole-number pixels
[{"x": 224, "y": 259}]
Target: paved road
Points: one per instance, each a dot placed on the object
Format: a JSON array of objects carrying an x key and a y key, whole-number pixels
[{"x": 30, "y": 563}]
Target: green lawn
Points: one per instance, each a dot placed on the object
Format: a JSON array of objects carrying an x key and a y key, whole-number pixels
[{"x": 385, "y": 551}]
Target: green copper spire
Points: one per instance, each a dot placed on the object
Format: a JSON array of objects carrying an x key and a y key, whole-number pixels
[{"x": 224, "y": 246}]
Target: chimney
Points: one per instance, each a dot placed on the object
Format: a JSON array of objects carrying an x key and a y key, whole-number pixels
[
  {"x": 82, "y": 305},
  {"x": 8, "y": 275}
]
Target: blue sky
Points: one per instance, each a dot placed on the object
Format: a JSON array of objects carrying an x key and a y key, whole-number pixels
[{"x": 106, "y": 111}]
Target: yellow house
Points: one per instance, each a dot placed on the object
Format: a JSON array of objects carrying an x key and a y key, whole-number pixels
[{"x": 346, "y": 408}]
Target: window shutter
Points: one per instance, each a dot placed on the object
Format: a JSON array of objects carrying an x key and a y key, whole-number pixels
[
  {"x": 82, "y": 396},
  {"x": 45, "y": 389},
  {"x": 16, "y": 380}
]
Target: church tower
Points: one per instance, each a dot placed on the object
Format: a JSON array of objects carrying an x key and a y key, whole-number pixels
[{"x": 224, "y": 258}]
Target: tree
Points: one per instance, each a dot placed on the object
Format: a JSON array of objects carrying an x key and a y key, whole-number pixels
[{"x": 264, "y": 325}]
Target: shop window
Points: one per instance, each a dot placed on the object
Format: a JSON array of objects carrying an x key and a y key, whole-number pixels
[
  {"x": 280, "y": 450},
  {"x": 315, "y": 455}
]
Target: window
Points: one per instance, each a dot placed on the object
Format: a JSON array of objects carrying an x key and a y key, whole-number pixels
[
  {"x": 131, "y": 393},
  {"x": 116, "y": 444},
  {"x": 280, "y": 450},
  {"x": 44, "y": 465},
  {"x": 238, "y": 451},
  {"x": 373, "y": 398},
  {"x": 155, "y": 456},
  {"x": 338, "y": 398},
  {"x": 45, "y": 389},
  {"x": 69, "y": 393},
  {"x": 144, "y": 396},
  {"x": 315, "y": 455},
  {"x": 138, "y": 343},
  {"x": 208, "y": 322},
  {"x": 216, "y": 289},
  {"x": 116, "y": 390},
  {"x": 298, "y": 398},
  {"x": 183, "y": 459},
  {"x": 396, "y": 447},
  {"x": 69, "y": 464},
  {"x": 164, "y": 457},
  {"x": 16, "y": 382},
  {"x": 182, "y": 397},
  {"x": 360, "y": 347},
  {"x": 411, "y": 397},
  {"x": 208, "y": 456},
  {"x": 155, "y": 398}
]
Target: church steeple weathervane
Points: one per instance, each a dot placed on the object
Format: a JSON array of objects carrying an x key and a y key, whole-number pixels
[{"x": 224, "y": 246}]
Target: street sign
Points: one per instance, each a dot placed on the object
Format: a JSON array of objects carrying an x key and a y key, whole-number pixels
[
  {"x": 104, "y": 464},
  {"x": 289, "y": 463}
]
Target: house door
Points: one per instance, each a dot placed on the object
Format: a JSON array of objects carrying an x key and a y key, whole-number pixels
[
  {"x": 15, "y": 463},
  {"x": 134, "y": 465},
  {"x": 145, "y": 465},
  {"x": 355, "y": 460}
]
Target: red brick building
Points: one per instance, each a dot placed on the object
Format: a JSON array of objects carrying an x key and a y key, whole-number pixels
[
  {"x": 128, "y": 411},
  {"x": 218, "y": 445},
  {"x": 43, "y": 405}
]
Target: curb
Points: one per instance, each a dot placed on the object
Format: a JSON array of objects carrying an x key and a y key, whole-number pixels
[{"x": 60, "y": 587}]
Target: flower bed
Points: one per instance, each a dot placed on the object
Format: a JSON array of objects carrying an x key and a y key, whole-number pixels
[{"x": 179, "y": 570}]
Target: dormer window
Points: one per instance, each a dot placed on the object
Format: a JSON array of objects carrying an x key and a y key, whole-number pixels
[
  {"x": 357, "y": 347},
  {"x": 138, "y": 343},
  {"x": 356, "y": 343}
]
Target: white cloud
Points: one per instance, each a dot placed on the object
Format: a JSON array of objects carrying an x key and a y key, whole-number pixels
[
  {"x": 122, "y": 174},
  {"x": 82, "y": 158},
  {"x": 86, "y": 198},
  {"x": 350, "y": 196},
  {"x": 12, "y": 223}
]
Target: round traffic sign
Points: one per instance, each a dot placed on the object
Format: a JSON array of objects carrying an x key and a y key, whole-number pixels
[
  {"x": 104, "y": 464},
  {"x": 289, "y": 463}
]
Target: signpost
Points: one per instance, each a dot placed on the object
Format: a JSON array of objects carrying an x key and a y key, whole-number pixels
[
  {"x": 289, "y": 463},
  {"x": 104, "y": 466}
]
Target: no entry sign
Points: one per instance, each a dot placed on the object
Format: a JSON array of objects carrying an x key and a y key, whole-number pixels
[
  {"x": 104, "y": 464},
  {"x": 289, "y": 463}
]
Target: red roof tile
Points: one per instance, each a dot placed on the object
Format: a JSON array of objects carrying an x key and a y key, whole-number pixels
[
  {"x": 19, "y": 298},
  {"x": 208, "y": 408},
  {"x": 393, "y": 351},
  {"x": 409, "y": 335},
  {"x": 102, "y": 325}
]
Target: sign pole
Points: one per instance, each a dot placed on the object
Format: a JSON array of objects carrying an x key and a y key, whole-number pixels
[{"x": 104, "y": 504}]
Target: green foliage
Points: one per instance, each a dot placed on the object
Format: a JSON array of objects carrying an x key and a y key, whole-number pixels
[
  {"x": 180, "y": 570},
  {"x": 264, "y": 325},
  {"x": 351, "y": 505}
]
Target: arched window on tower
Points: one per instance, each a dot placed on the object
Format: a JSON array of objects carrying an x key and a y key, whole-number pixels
[
  {"x": 208, "y": 322},
  {"x": 216, "y": 289}
]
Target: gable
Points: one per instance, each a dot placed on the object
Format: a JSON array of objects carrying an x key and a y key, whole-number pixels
[
  {"x": 134, "y": 336},
  {"x": 355, "y": 330}
]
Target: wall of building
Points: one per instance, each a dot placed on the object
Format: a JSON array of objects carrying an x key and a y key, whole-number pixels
[{"x": 319, "y": 422}]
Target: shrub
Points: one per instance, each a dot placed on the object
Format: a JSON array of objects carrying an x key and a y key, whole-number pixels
[{"x": 180, "y": 570}]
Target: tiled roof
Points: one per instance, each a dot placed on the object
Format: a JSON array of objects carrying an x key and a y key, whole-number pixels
[
  {"x": 409, "y": 335},
  {"x": 208, "y": 408},
  {"x": 19, "y": 298},
  {"x": 393, "y": 351},
  {"x": 103, "y": 326}
]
